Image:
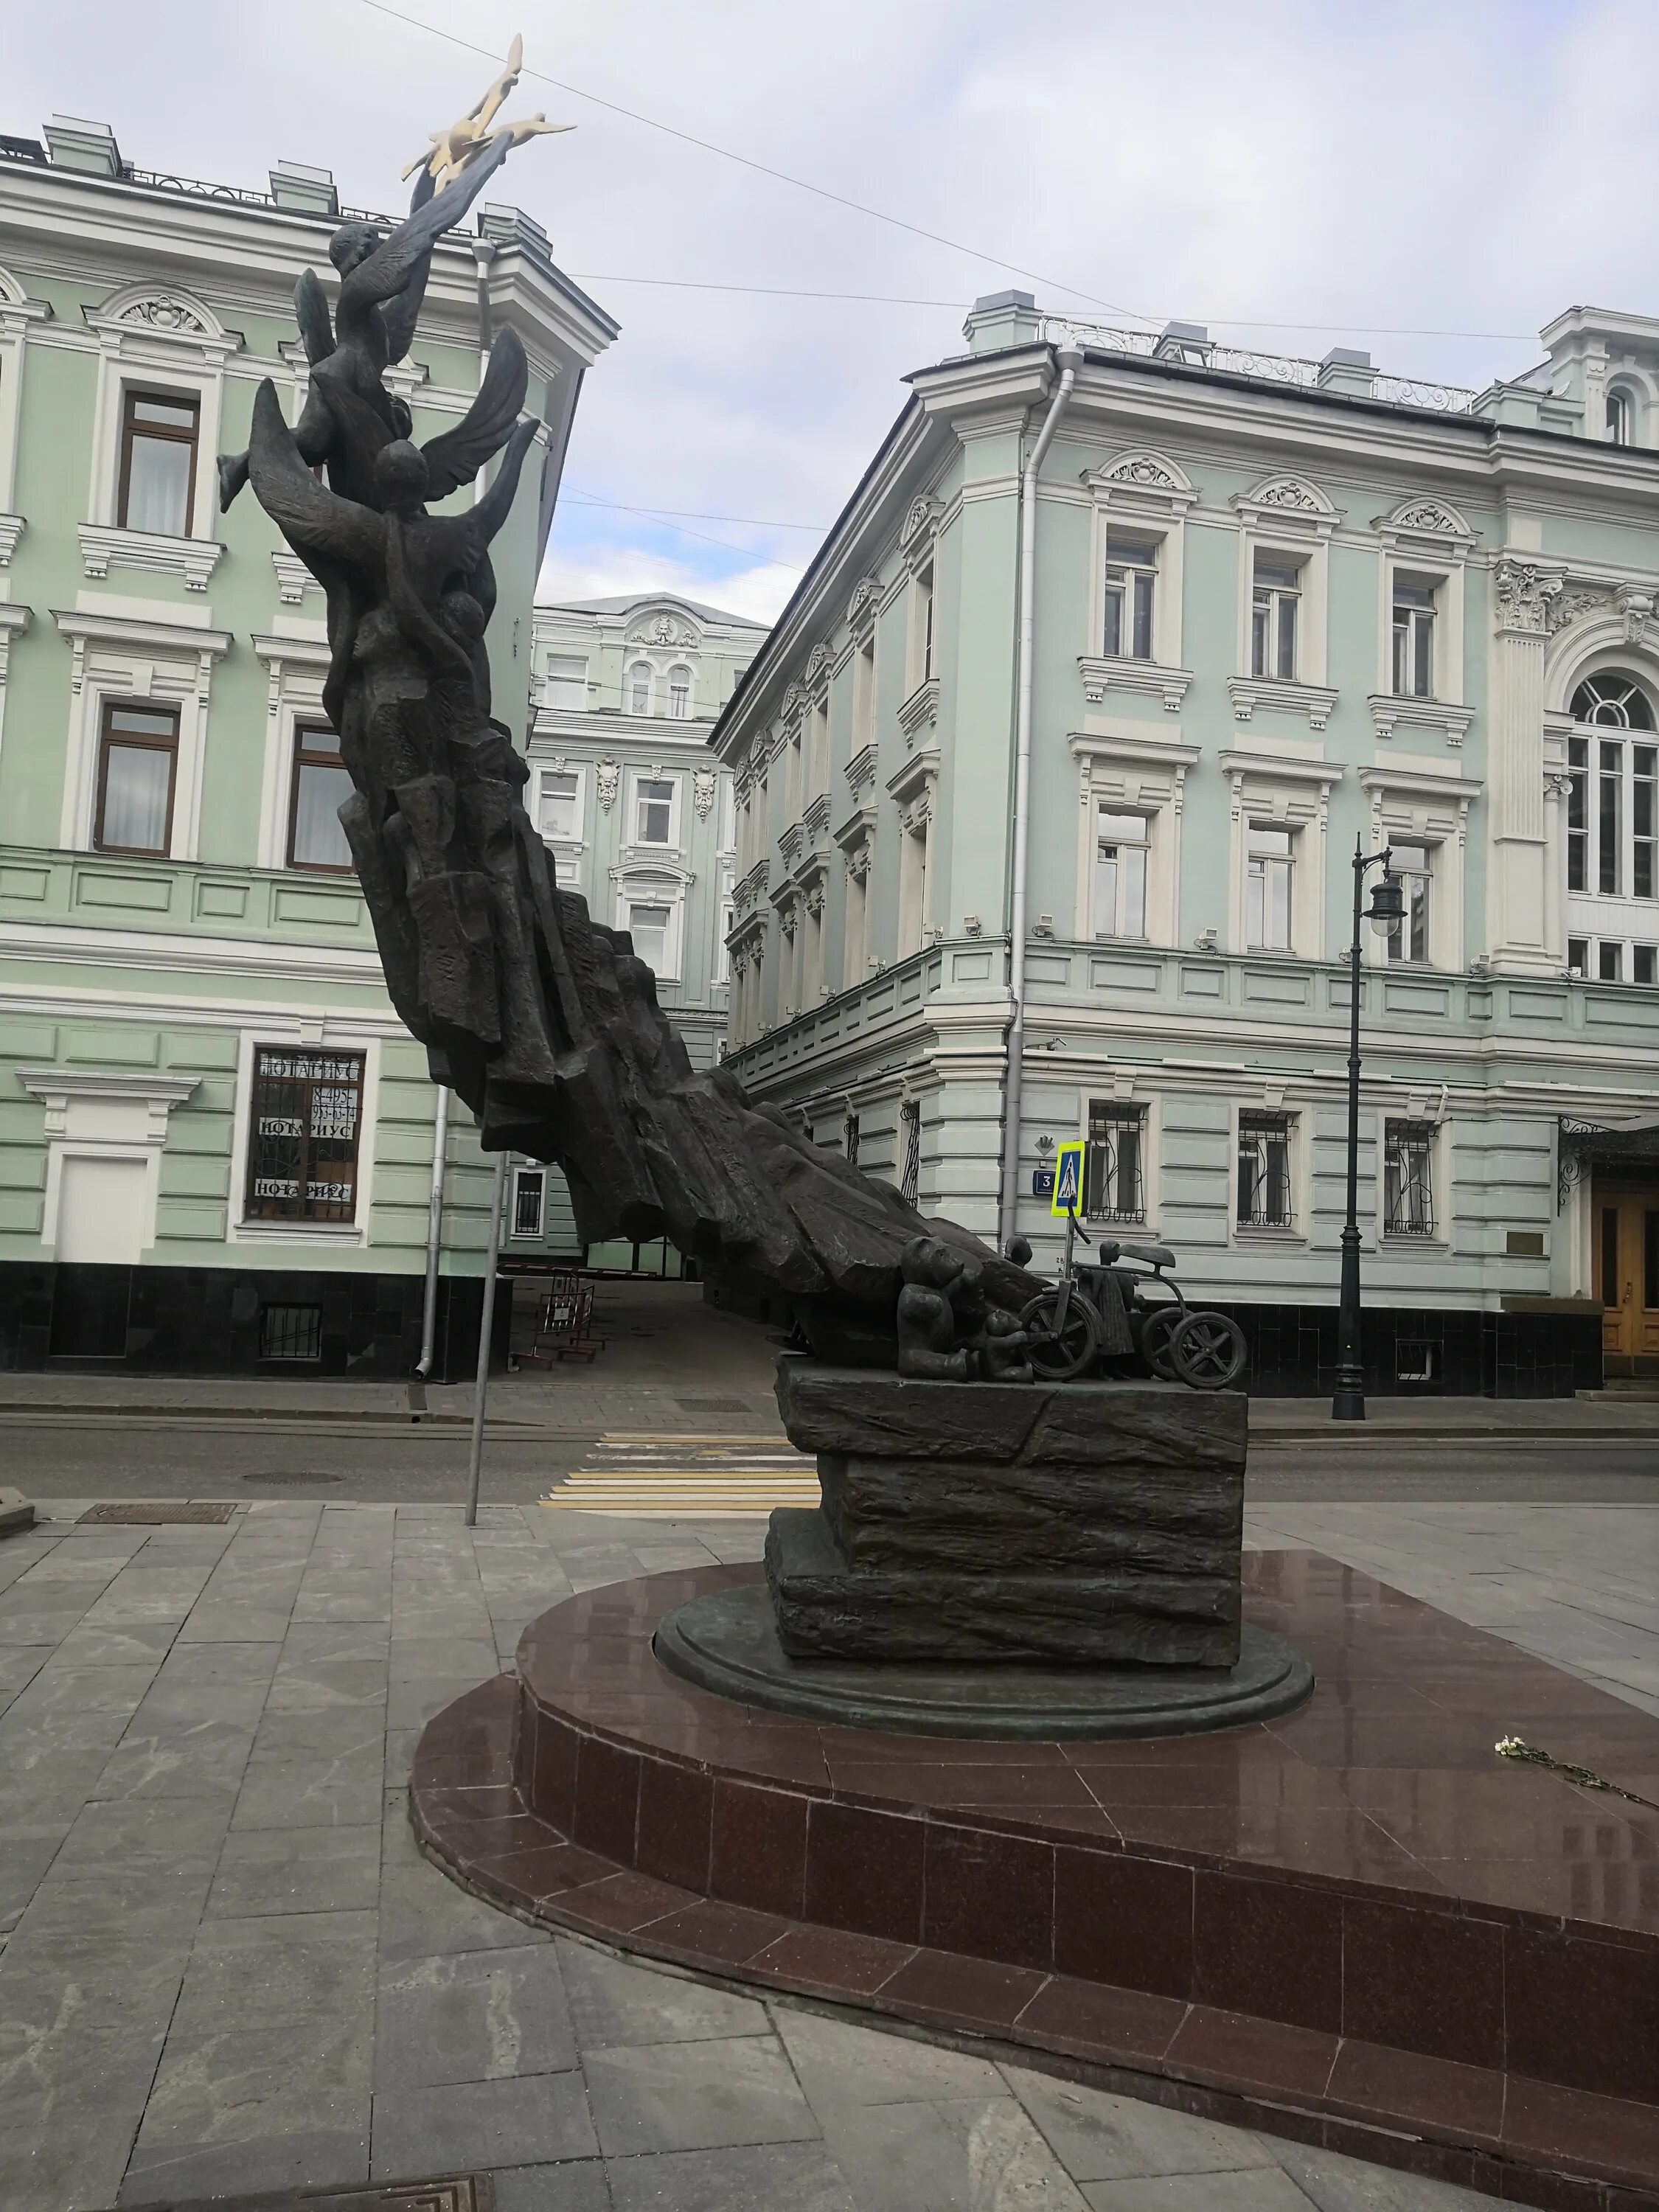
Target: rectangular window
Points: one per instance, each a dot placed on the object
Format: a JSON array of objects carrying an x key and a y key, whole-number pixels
[
  {"x": 921, "y": 624},
  {"x": 654, "y": 810},
  {"x": 1120, "y": 875},
  {"x": 529, "y": 1187},
  {"x": 1610, "y": 961},
  {"x": 137, "y": 760},
  {"x": 1577, "y": 814},
  {"x": 290, "y": 1332},
  {"x": 556, "y": 802},
  {"x": 566, "y": 683},
  {"x": 1578, "y": 955},
  {"x": 639, "y": 688},
  {"x": 864, "y": 696},
  {"x": 1409, "y": 938},
  {"x": 1268, "y": 888},
  {"x": 1113, "y": 1164},
  {"x": 1642, "y": 963},
  {"x": 679, "y": 694},
  {"x": 722, "y": 950},
  {"x": 647, "y": 925},
  {"x": 321, "y": 786},
  {"x": 1643, "y": 824},
  {"x": 1264, "y": 1172},
  {"x": 1413, "y": 639},
  {"x": 1408, "y": 1178},
  {"x": 1273, "y": 602},
  {"x": 1131, "y": 580},
  {"x": 1609, "y": 809},
  {"x": 158, "y": 463},
  {"x": 304, "y": 1119}
]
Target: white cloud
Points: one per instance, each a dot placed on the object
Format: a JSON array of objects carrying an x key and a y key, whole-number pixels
[{"x": 1315, "y": 161}]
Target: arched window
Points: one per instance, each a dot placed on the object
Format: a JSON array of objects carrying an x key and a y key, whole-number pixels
[
  {"x": 639, "y": 688},
  {"x": 1613, "y": 701},
  {"x": 1613, "y": 791},
  {"x": 679, "y": 693},
  {"x": 1621, "y": 417}
]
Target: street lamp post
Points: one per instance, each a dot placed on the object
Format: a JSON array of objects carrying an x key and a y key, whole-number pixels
[{"x": 1386, "y": 910}]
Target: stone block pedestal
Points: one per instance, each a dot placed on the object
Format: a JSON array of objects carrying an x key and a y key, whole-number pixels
[{"x": 1058, "y": 1524}]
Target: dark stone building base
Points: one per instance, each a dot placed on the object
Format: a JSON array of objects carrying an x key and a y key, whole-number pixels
[
  {"x": 275, "y": 1323},
  {"x": 1533, "y": 1348}
]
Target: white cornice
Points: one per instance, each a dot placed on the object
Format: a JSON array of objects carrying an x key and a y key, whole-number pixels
[
  {"x": 1390, "y": 712},
  {"x": 186, "y": 953},
  {"x": 103, "y": 548},
  {"x": 1144, "y": 678},
  {"x": 1313, "y": 701},
  {"x": 174, "y": 639},
  {"x": 12, "y": 527}
]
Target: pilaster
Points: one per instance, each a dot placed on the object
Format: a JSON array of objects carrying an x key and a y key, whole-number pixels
[{"x": 1518, "y": 901}]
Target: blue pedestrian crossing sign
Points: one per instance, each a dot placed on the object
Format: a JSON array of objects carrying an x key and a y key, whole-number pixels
[{"x": 1068, "y": 1182}]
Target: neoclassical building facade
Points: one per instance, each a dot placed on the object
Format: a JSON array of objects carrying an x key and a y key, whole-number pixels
[
  {"x": 217, "y": 1140},
  {"x": 1279, "y": 611},
  {"x": 641, "y": 818}
]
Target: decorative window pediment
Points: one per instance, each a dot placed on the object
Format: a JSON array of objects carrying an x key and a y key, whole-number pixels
[
  {"x": 1418, "y": 517},
  {"x": 666, "y": 625},
  {"x": 1142, "y": 481},
  {"x": 142, "y": 315},
  {"x": 920, "y": 525},
  {"x": 862, "y": 607},
  {"x": 1282, "y": 501}
]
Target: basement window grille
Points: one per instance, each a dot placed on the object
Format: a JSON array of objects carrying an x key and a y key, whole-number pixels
[{"x": 290, "y": 1333}]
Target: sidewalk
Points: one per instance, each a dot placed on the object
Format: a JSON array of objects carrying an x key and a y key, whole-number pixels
[{"x": 224, "y": 1968}]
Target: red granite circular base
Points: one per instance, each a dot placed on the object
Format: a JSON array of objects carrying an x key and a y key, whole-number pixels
[{"x": 1350, "y": 1923}]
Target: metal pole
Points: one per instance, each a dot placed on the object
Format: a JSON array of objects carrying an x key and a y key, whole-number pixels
[
  {"x": 1069, "y": 359},
  {"x": 434, "y": 1230},
  {"x": 1349, "y": 1402},
  {"x": 486, "y": 1323}
]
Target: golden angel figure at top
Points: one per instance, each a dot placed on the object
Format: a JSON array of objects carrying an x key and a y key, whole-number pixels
[{"x": 457, "y": 149}]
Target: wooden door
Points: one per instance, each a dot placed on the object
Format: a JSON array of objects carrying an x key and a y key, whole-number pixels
[{"x": 1627, "y": 1273}]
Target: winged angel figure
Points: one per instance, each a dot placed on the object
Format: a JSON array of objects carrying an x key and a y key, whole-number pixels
[{"x": 541, "y": 1018}]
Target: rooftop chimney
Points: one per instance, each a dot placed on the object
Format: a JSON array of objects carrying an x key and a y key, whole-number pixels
[
  {"x": 304, "y": 190},
  {"x": 88, "y": 147},
  {"x": 1001, "y": 319},
  {"x": 1347, "y": 370},
  {"x": 1184, "y": 342}
]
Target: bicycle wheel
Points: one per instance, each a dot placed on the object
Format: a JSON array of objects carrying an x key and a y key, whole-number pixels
[
  {"x": 1208, "y": 1350},
  {"x": 1059, "y": 1354},
  {"x": 1156, "y": 1331}
]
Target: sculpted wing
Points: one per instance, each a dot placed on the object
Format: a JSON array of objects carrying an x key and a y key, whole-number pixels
[
  {"x": 493, "y": 509},
  {"x": 310, "y": 312},
  {"x": 396, "y": 260},
  {"x": 456, "y": 457},
  {"x": 316, "y": 522}
]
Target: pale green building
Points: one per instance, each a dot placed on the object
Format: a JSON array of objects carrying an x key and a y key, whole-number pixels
[
  {"x": 217, "y": 1142},
  {"x": 1278, "y": 606}
]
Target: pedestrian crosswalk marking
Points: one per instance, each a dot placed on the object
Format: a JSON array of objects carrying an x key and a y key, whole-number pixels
[{"x": 675, "y": 1477}]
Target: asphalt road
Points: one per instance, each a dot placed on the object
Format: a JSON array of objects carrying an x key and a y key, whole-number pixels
[{"x": 83, "y": 1456}]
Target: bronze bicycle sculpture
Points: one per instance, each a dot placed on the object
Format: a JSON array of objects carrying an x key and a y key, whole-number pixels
[{"x": 1128, "y": 1314}]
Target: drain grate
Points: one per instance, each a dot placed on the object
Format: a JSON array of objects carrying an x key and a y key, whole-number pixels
[
  {"x": 283, "y": 1474},
  {"x": 464, "y": 2192},
  {"x": 153, "y": 1513},
  {"x": 713, "y": 1405}
]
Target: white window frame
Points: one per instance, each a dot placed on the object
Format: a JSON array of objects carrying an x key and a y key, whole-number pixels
[
  {"x": 1445, "y": 580},
  {"x": 118, "y": 658},
  {"x": 570, "y": 841},
  {"x": 638, "y": 776},
  {"x": 1290, "y": 520},
  {"x": 1438, "y": 1238},
  {"x": 1287, "y": 791},
  {"x": 688, "y": 691},
  {"x": 1108, "y": 929},
  {"x": 1270, "y": 868},
  {"x": 522, "y": 1177},
  {"x": 558, "y": 669},
  {"x": 294, "y": 672},
  {"x": 1422, "y": 800},
  {"x": 1141, "y": 494},
  {"x": 1274, "y": 597},
  {"x": 628, "y": 670},
  {"x": 1129, "y": 770},
  {"x": 1134, "y": 565},
  {"x": 303, "y": 1035},
  {"x": 646, "y": 885}
]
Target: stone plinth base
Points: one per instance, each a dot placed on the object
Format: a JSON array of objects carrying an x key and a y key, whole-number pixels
[
  {"x": 1059, "y": 1524},
  {"x": 728, "y": 1643},
  {"x": 16, "y": 1513}
]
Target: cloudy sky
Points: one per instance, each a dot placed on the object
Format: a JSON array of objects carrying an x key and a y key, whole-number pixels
[{"x": 1432, "y": 179}]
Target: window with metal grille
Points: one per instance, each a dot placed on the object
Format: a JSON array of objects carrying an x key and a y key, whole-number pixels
[
  {"x": 1112, "y": 1179},
  {"x": 1264, "y": 1172},
  {"x": 909, "y": 1149},
  {"x": 529, "y": 1185},
  {"x": 303, "y": 1129},
  {"x": 849, "y": 1138},
  {"x": 290, "y": 1332},
  {"x": 1408, "y": 1178}
]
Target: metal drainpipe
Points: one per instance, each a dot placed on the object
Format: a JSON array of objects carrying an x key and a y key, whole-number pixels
[
  {"x": 434, "y": 1225},
  {"x": 1070, "y": 360}
]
